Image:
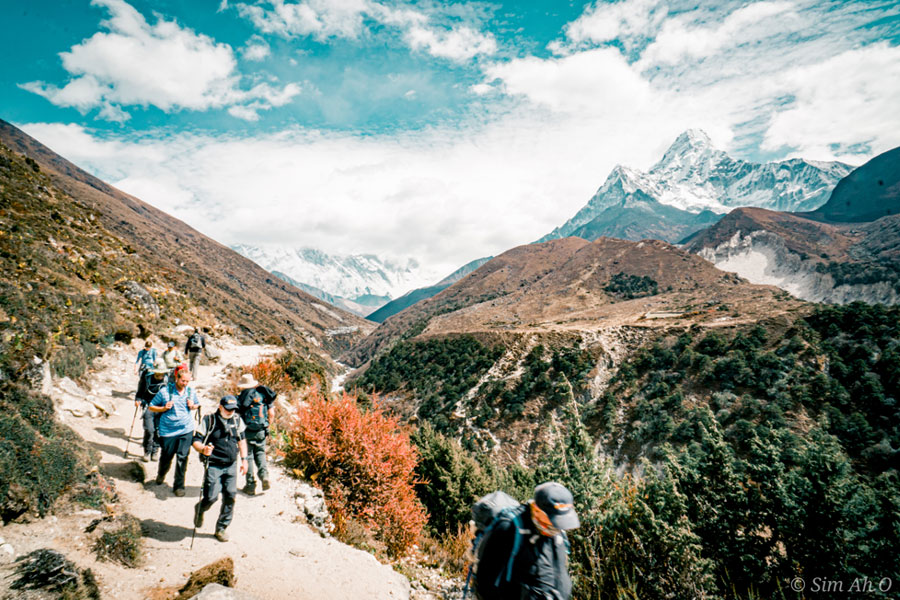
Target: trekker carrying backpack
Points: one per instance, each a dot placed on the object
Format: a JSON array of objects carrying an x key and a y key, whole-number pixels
[
  {"x": 194, "y": 347},
  {"x": 521, "y": 550},
  {"x": 256, "y": 406},
  {"x": 146, "y": 358}
]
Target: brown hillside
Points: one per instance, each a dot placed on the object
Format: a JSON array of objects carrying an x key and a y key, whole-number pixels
[
  {"x": 853, "y": 252},
  {"x": 172, "y": 259},
  {"x": 561, "y": 286},
  {"x": 800, "y": 234}
]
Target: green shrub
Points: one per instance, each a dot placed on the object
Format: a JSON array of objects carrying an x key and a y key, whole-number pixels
[
  {"x": 628, "y": 286},
  {"x": 452, "y": 479},
  {"x": 121, "y": 542}
]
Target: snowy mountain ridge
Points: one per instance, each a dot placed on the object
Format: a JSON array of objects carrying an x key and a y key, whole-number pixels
[
  {"x": 349, "y": 276},
  {"x": 694, "y": 176}
]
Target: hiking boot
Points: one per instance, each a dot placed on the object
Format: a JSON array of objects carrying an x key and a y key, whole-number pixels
[
  {"x": 221, "y": 535},
  {"x": 198, "y": 515},
  {"x": 249, "y": 489},
  {"x": 179, "y": 493},
  {"x": 145, "y": 458},
  {"x": 159, "y": 480}
]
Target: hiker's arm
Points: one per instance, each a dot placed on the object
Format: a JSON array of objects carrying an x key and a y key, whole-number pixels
[
  {"x": 199, "y": 435},
  {"x": 160, "y": 403},
  {"x": 242, "y": 451}
]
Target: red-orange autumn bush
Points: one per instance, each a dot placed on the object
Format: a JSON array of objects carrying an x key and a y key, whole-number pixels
[{"x": 364, "y": 461}]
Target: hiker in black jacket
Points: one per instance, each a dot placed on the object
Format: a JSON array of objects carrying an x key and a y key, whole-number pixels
[
  {"x": 193, "y": 348},
  {"x": 151, "y": 381},
  {"x": 220, "y": 439},
  {"x": 539, "y": 570}
]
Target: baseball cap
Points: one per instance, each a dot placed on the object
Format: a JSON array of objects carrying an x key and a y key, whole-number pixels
[
  {"x": 228, "y": 402},
  {"x": 555, "y": 500}
]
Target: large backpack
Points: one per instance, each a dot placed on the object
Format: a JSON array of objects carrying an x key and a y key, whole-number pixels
[
  {"x": 255, "y": 414},
  {"x": 195, "y": 342},
  {"x": 490, "y": 510}
]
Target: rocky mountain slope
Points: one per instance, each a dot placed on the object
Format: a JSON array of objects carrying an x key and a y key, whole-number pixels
[
  {"x": 692, "y": 183},
  {"x": 847, "y": 250},
  {"x": 561, "y": 285},
  {"x": 868, "y": 193},
  {"x": 148, "y": 258}
]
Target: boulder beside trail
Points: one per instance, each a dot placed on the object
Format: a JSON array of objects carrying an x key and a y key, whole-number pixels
[
  {"x": 221, "y": 572},
  {"x": 214, "y": 591}
]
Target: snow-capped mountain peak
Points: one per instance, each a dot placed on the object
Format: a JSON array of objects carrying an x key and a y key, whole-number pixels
[
  {"x": 351, "y": 276},
  {"x": 695, "y": 176}
]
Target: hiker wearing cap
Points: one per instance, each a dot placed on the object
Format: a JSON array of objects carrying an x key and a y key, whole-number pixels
[
  {"x": 149, "y": 385},
  {"x": 220, "y": 442},
  {"x": 145, "y": 359},
  {"x": 255, "y": 404},
  {"x": 193, "y": 348},
  {"x": 174, "y": 403},
  {"x": 525, "y": 558},
  {"x": 172, "y": 357}
]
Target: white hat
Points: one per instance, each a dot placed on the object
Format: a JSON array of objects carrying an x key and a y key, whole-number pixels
[{"x": 247, "y": 381}]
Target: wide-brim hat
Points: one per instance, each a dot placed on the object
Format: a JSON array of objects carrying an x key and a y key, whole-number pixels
[
  {"x": 555, "y": 500},
  {"x": 247, "y": 381},
  {"x": 159, "y": 368}
]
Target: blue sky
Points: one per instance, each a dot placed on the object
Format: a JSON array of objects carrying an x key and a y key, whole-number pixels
[{"x": 442, "y": 131}]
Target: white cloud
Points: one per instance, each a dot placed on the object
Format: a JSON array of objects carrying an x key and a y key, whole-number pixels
[
  {"x": 607, "y": 21},
  {"x": 322, "y": 19},
  {"x": 346, "y": 19},
  {"x": 457, "y": 44},
  {"x": 256, "y": 49},
  {"x": 138, "y": 64},
  {"x": 588, "y": 82},
  {"x": 845, "y": 100},
  {"x": 678, "y": 39},
  {"x": 444, "y": 197}
]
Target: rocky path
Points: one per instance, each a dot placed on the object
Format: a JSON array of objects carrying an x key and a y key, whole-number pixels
[{"x": 275, "y": 555}]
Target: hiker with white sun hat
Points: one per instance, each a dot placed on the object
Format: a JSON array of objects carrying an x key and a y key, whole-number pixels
[{"x": 256, "y": 407}]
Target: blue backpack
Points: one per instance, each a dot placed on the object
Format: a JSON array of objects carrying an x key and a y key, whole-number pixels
[{"x": 490, "y": 510}]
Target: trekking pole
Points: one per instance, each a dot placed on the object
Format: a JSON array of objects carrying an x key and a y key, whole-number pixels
[
  {"x": 468, "y": 580},
  {"x": 203, "y": 485},
  {"x": 131, "y": 431}
]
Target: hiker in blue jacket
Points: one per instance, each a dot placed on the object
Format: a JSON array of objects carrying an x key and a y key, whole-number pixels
[
  {"x": 175, "y": 402},
  {"x": 539, "y": 569},
  {"x": 146, "y": 358}
]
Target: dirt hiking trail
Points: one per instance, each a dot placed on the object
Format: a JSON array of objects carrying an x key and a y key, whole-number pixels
[{"x": 275, "y": 555}]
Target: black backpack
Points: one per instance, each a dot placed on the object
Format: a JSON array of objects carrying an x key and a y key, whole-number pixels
[
  {"x": 490, "y": 510},
  {"x": 195, "y": 342}
]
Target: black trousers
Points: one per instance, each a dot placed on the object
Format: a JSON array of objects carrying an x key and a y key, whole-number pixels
[
  {"x": 177, "y": 447},
  {"x": 220, "y": 479},
  {"x": 151, "y": 426}
]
